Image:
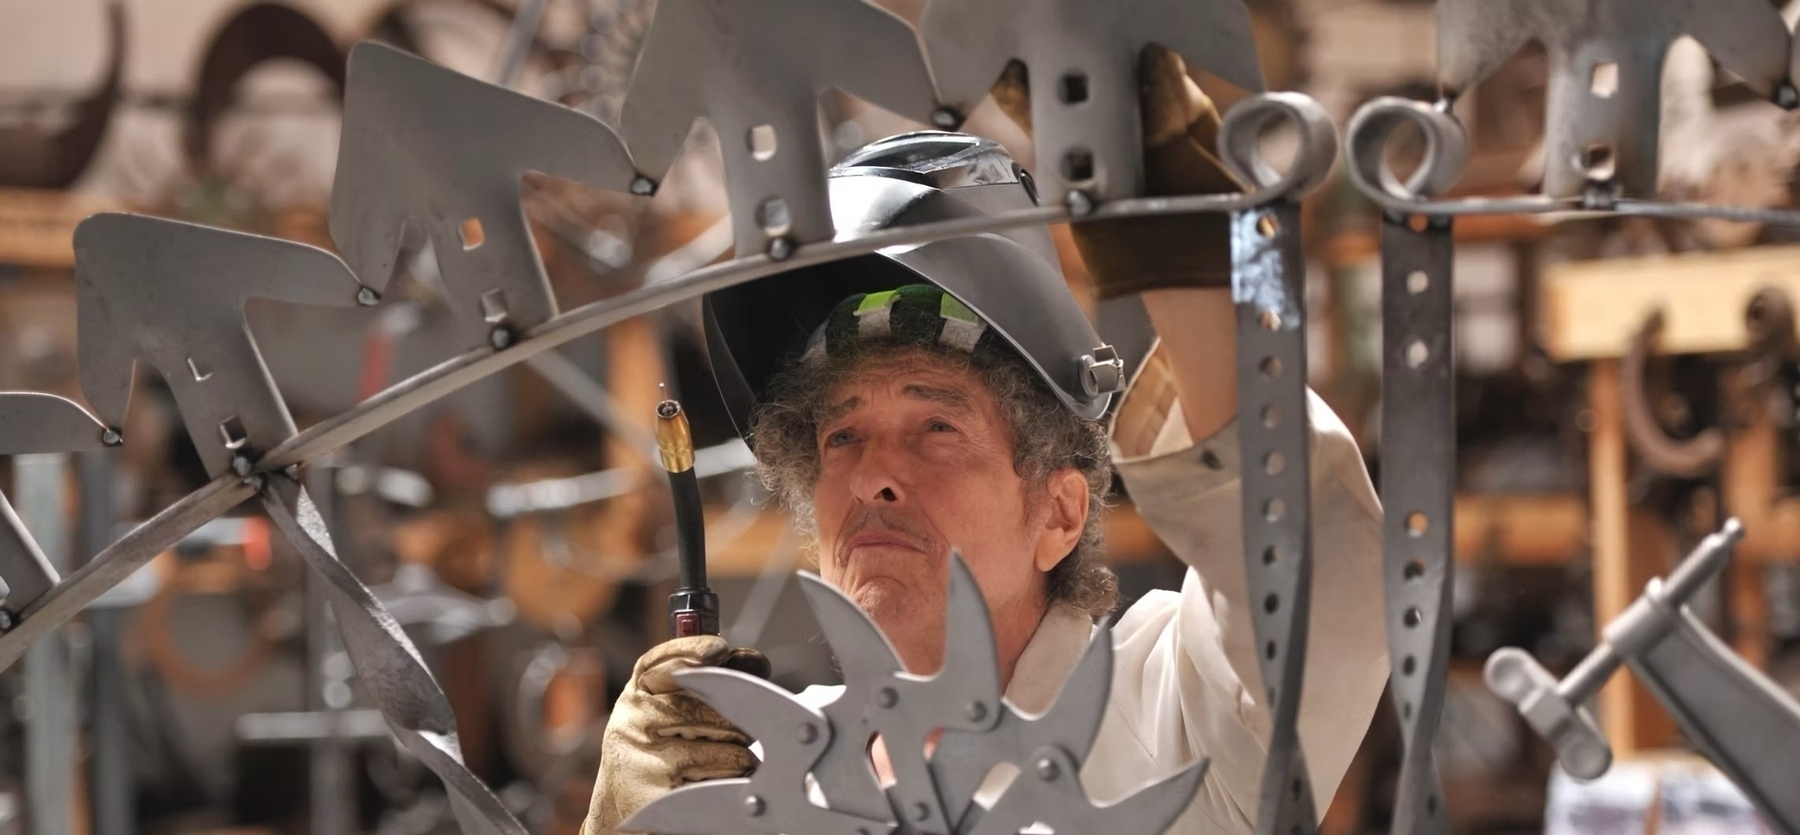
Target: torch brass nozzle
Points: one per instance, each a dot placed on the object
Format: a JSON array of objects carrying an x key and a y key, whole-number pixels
[{"x": 674, "y": 442}]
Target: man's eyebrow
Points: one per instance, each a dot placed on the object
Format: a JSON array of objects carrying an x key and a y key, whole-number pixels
[
  {"x": 837, "y": 410},
  {"x": 952, "y": 398}
]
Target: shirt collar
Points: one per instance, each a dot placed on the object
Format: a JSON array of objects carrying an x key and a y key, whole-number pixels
[{"x": 1049, "y": 657}]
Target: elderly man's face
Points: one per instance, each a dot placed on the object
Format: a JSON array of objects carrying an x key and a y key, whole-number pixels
[{"x": 916, "y": 458}]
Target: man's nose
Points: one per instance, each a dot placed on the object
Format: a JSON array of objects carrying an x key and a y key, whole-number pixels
[{"x": 877, "y": 479}]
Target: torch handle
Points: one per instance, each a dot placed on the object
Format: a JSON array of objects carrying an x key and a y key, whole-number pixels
[{"x": 693, "y": 608}]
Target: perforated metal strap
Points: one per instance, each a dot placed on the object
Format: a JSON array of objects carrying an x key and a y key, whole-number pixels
[
  {"x": 1418, "y": 488},
  {"x": 1268, "y": 285}
]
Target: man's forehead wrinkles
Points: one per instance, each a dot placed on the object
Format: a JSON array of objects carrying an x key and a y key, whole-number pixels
[{"x": 943, "y": 395}]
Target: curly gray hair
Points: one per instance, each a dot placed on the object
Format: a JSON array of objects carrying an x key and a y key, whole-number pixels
[{"x": 1046, "y": 437}]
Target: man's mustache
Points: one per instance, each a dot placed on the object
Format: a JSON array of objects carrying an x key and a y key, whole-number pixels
[{"x": 884, "y": 520}]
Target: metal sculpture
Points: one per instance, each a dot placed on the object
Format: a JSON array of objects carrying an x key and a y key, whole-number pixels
[{"x": 933, "y": 794}]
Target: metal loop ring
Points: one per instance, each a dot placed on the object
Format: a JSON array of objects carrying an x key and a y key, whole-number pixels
[
  {"x": 1446, "y": 152},
  {"x": 1240, "y": 143}
]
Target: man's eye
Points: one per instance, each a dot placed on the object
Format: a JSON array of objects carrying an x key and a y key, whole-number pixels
[
  {"x": 940, "y": 426},
  {"x": 840, "y": 437}
]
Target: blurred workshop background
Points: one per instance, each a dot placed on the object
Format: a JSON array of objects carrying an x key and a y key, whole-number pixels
[{"x": 1611, "y": 409}]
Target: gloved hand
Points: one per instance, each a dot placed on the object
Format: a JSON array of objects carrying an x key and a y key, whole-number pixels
[
  {"x": 1181, "y": 130},
  {"x": 660, "y": 737}
]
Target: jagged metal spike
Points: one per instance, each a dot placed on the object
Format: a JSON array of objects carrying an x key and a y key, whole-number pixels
[
  {"x": 1049, "y": 790},
  {"x": 34, "y": 422},
  {"x": 963, "y": 759},
  {"x": 1606, "y": 57},
  {"x": 388, "y": 667},
  {"x": 1082, "y": 59},
  {"x": 756, "y": 71},
  {"x": 904, "y": 709},
  {"x": 173, "y": 293},
  {"x": 430, "y": 154},
  {"x": 773, "y": 801}
]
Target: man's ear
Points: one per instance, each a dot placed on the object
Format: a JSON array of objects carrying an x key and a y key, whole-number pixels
[{"x": 1065, "y": 516}]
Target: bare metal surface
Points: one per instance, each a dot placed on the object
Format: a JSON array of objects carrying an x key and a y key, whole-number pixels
[
  {"x": 1245, "y": 127},
  {"x": 52, "y": 732},
  {"x": 755, "y": 71},
  {"x": 1418, "y": 489},
  {"x": 1606, "y": 62},
  {"x": 1268, "y": 285},
  {"x": 930, "y": 795},
  {"x": 389, "y": 668},
  {"x": 173, "y": 294},
  {"x": 431, "y": 155},
  {"x": 35, "y": 423},
  {"x": 1082, "y": 58}
]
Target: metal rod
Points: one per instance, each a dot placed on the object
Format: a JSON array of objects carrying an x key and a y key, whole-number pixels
[
  {"x": 113, "y": 801},
  {"x": 574, "y": 383},
  {"x": 50, "y": 740}
]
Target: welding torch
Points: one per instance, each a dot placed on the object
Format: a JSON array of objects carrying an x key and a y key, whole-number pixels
[{"x": 693, "y": 608}]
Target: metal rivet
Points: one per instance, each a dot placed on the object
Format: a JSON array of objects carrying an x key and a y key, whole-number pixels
[
  {"x": 6, "y": 621},
  {"x": 781, "y": 248},
  {"x": 754, "y": 805},
  {"x": 1081, "y": 204},
  {"x": 500, "y": 338},
  {"x": 946, "y": 118},
  {"x": 887, "y": 697},
  {"x": 642, "y": 185},
  {"x": 240, "y": 465},
  {"x": 1047, "y": 770},
  {"x": 291, "y": 471},
  {"x": 809, "y": 733},
  {"x": 367, "y": 297},
  {"x": 976, "y": 711},
  {"x": 921, "y": 812},
  {"x": 111, "y": 437}
]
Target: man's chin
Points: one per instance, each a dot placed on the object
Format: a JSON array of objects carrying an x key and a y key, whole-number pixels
[{"x": 901, "y": 612}]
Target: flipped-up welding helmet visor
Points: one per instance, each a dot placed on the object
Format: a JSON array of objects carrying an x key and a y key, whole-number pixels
[{"x": 1010, "y": 279}]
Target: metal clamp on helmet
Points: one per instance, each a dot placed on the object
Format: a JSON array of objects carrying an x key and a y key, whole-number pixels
[{"x": 1012, "y": 280}]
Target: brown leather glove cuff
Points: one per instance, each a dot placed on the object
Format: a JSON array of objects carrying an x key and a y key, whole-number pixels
[{"x": 1132, "y": 255}]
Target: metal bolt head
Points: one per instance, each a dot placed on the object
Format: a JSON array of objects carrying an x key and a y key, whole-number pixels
[
  {"x": 976, "y": 711},
  {"x": 642, "y": 186},
  {"x": 6, "y": 621},
  {"x": 887, "y": 697},
  {"x": 754, "y": 805},
  {"x": 1081, "y": 204},
  {"x": 367, "y": 297},
  {"x": 240, "y": 465},
  {"x": 809, "y": 733},
  {"x": 1047, "y": 770},
  {"x": 781, "y": 248},
  {"x": 111, "y": 437},
  {"x": 946, "y": 118},
  {"x": 500, "y": 338},
  {"x": 921, "y": 812}
]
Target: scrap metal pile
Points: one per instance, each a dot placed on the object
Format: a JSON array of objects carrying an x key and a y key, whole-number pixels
[{"x": 428, "y": 154}]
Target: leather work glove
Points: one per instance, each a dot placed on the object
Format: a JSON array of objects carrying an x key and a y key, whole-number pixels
[
  {"x": 660, "y": 737},
  {"x": 1181, "y": 131}
]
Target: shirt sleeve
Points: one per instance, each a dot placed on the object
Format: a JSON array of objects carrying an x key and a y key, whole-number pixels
[{"x": 1200, "y": 693}]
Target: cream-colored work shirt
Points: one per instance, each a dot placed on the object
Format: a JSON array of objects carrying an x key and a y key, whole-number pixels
[{"x": 1186, "y": 682}]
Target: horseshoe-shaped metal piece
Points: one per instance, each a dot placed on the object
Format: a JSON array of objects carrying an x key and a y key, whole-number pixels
[
  {"x": 756, "y": 71},
  {"x": 1083, "y": 59},
  {"x": 1606, "y": 61},
  {"x": 1691, "y": 458}
]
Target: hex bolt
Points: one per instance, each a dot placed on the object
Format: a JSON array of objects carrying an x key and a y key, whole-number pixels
[
  {"x": 1047, "y": 770},
  {"x": 754, "y": 805},
  {"x": 367, "y": 297}
]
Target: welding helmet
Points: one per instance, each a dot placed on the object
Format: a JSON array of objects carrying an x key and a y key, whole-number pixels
[{"x": 1009, "y": 283}]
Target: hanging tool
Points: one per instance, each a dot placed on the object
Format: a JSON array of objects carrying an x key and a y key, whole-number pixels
[{"x": 693, "y": 608}]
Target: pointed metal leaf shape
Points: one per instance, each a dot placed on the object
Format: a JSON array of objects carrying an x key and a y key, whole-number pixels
[
  {"x": 430, "y": 154},
  {"x": 756, "y": 71},
  {"x": 1082, "y": 58},
  {"x": 173, "y": 293}
]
